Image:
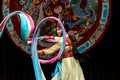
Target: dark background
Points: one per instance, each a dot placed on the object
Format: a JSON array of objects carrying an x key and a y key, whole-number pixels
[{"x": 102, "y": 62}]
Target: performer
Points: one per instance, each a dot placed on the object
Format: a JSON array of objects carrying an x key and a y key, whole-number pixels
[{"x": 67, "y": 68}]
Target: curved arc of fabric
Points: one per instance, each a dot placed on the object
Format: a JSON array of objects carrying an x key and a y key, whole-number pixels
[
  {"x": 23, "y": 16},
  {"x": 28, "y": 25},
  {"x": 52, "y": 60}
]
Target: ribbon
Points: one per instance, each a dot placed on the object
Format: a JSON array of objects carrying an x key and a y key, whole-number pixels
[
  {"x": 27, "y": 24},
  {"x": 34, "y": 42},
  {"x": 27, "y": 27}
]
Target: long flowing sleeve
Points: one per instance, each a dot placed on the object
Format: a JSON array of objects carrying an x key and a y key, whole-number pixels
[{"x": 54, "y": 48}]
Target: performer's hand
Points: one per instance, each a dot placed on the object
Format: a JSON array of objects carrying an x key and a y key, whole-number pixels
[{"x": 46, "y": 37}]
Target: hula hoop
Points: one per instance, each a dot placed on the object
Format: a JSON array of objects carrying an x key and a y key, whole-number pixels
[{"x": 34, "y": 42}]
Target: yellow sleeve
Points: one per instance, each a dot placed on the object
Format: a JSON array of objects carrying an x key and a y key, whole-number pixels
[{"x": 53, "y": 49}]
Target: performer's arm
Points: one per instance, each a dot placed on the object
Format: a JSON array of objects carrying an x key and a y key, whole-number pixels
[{"x": 53, "y": 49}]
